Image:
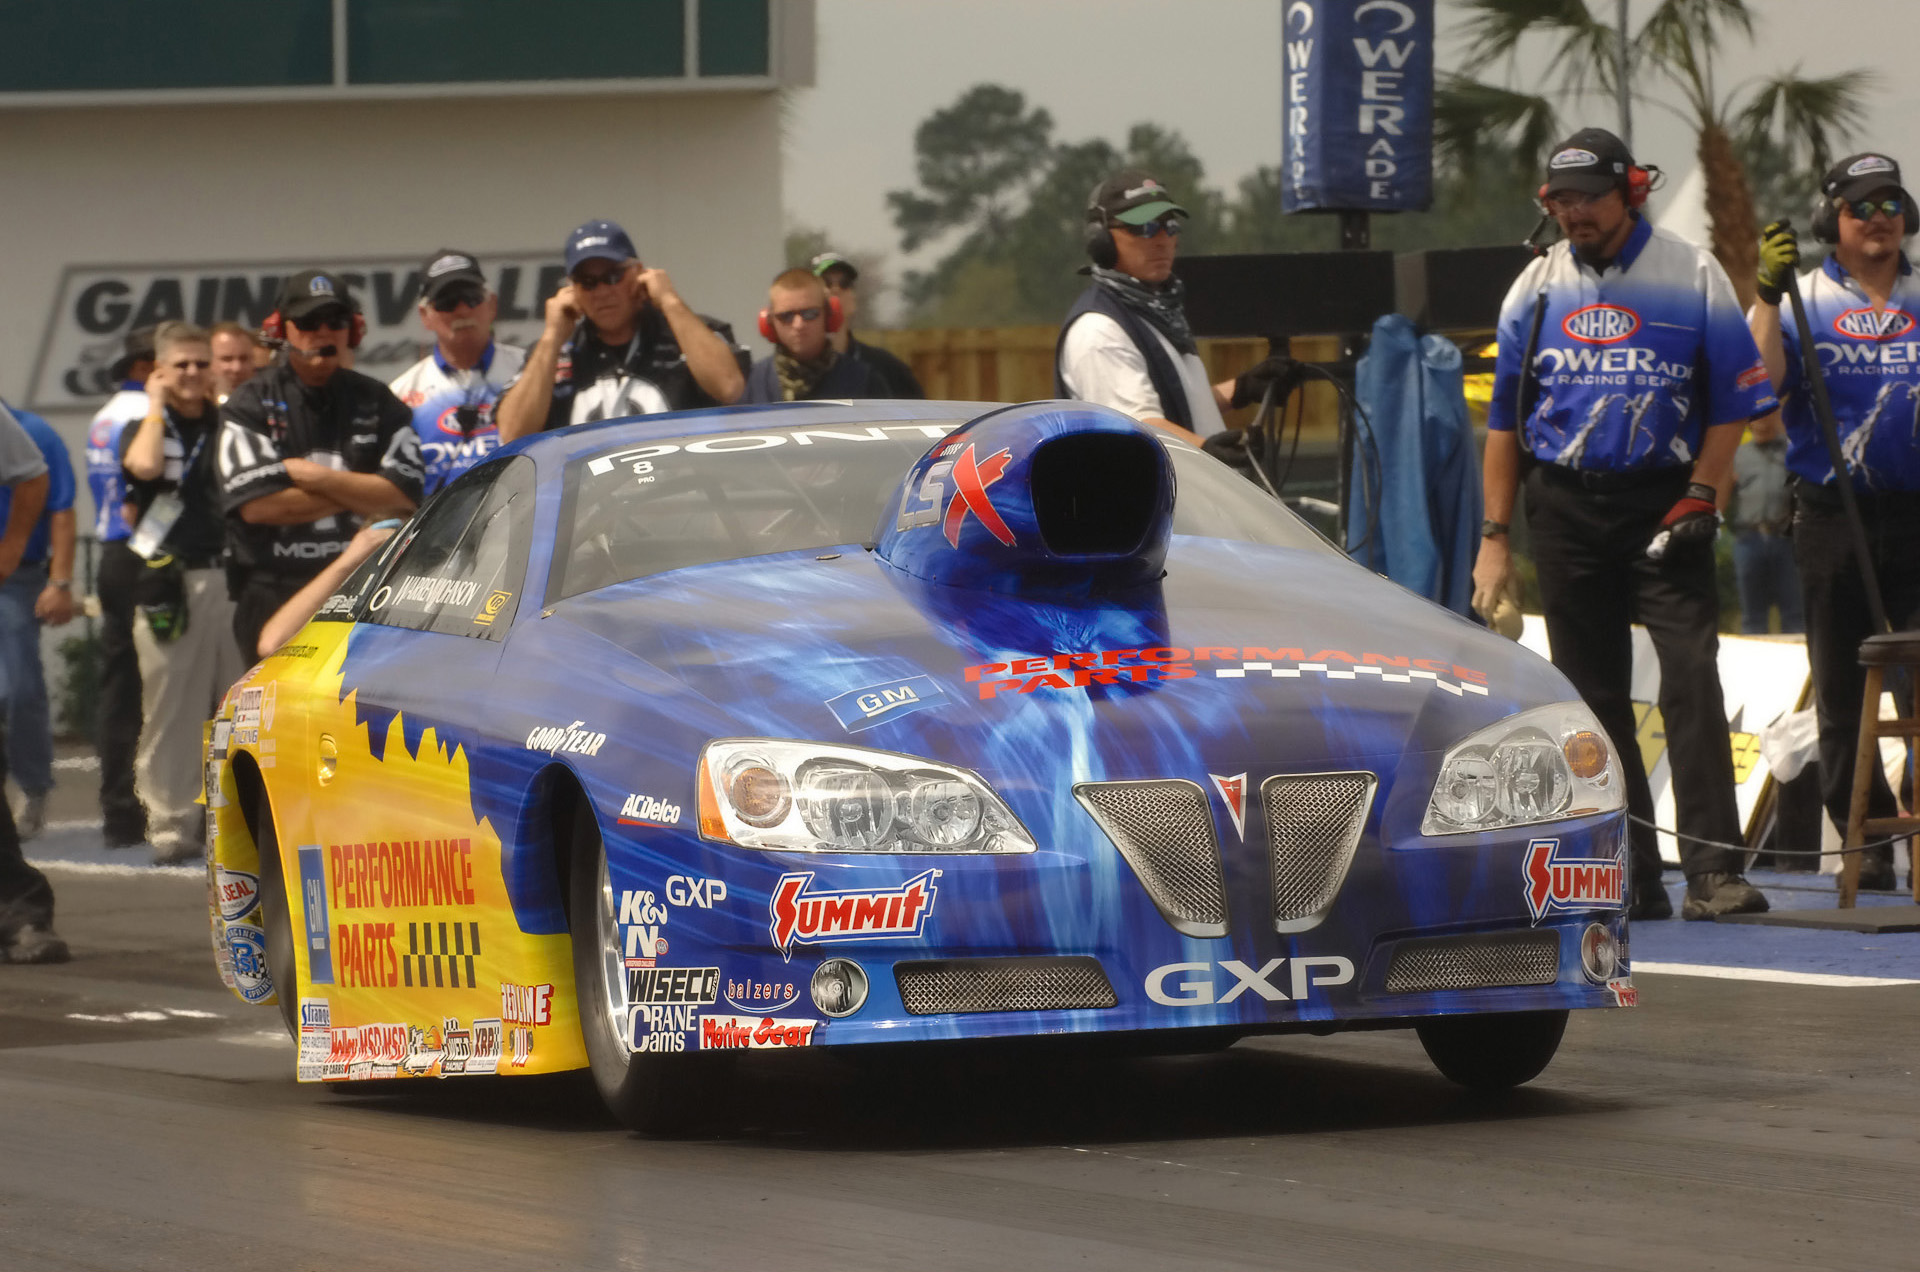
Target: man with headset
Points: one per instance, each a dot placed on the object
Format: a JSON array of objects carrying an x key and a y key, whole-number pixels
[
  {"x": 452, "y": 391},
  {"x": 1625, "y": 378},
  {"x": 306, "y": 448},
  {"x": 1862, "y": 306},
  {"x": 804, "y": 366},
  {"x": 1126, "y": 343},
  {"x": 842, "y": 280}
]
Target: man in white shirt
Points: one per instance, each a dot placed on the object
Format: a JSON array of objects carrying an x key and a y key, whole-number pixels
[
  {"x": 1125, "y": 343},
  {"x": 452, "y": 391}
]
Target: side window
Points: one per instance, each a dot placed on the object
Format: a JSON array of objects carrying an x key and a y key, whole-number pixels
[{"x": 460, "y": 571}]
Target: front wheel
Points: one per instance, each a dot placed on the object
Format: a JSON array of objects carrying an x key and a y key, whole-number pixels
[
  {"x": 1493, "y": 1053},
  {"x": 653, "y": 1094}
]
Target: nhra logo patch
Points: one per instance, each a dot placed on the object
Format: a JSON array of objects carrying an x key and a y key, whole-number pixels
[
  {"x": 1601, "y": 324},
  {"x": 884, "y": 914},
  {"x": 1557, "y": 883},
  {"x": 1869, "y": 324}
]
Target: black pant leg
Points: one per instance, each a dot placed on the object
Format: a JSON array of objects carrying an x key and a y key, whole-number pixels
[
  {"x": 1585, "y": 591},
  {"x": 120, "y": 713},
  {"x": 1677, "y": 600},
  {"x": 260, "y": 595},
  {"x": 25, "y": 895}
]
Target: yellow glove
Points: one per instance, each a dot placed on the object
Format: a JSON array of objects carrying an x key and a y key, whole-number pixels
[{"x": 1779, "y": 257}]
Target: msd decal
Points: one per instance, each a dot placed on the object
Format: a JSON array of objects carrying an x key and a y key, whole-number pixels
[
  {"x": 970, "y": 482},
  {"x": 813, "y": 918},
  {"x": 1233, "y": 793},
  {"x": 1557, "y": 883},
  {"x": 1601, "y": 324},
  {"x": 1870, "y": 324}
]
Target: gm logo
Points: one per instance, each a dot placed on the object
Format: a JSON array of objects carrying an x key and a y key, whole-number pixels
[
  {"x": 1866, "y": 324},
  {"x": 1601, "y": 324},
  {"x": 860, "y": 709}
]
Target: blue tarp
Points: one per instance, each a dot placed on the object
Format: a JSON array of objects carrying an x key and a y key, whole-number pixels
[{"x": 1414, "y": 458}]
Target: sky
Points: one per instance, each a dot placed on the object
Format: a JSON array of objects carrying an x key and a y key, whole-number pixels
[{"x": 1209, "y": 69}]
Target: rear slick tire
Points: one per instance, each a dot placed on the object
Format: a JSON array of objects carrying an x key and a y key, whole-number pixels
[
  {"x": 276, "y": 919},
  {"x": 649, "y": 1093},
  {"x": 1492, "y": 1053}
]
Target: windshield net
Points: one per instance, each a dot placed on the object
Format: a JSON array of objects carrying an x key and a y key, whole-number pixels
[{"x": 639, "y": 510}]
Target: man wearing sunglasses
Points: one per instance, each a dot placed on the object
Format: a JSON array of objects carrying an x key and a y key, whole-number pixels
[
  {"x": 1126, "y": 343},
  {"x": 1862, "y": 307},
  {"x": 452, "y": 391},
  {"x": 1625, "y": 378},
  {"x": 184, "y": 632},
  {"x": 897, "y": 379},
  {"x": 307, "y": 448},
  {"x": 804, "y": 366},
  {"x": 619, "y": 340}
]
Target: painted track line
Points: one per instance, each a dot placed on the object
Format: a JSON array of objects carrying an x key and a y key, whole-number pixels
[
  {"x": 1767, "y": 974},
  {"x": 116, "y": 868}
]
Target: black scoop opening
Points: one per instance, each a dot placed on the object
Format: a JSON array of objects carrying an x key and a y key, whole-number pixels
[{"x": 1094, "y": 494}]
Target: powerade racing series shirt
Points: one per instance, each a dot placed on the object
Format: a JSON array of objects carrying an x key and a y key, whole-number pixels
[
  {"x": 595, "y": 381},
  {"x": 1632, "y": 365},
  {"x": 352, "y": 423},
  {"x": 104, "y": 480},
  {"x": 60, "y": 487},
  {"x": 453, "y": 408},
  {"x": 1872, "y": 366}
]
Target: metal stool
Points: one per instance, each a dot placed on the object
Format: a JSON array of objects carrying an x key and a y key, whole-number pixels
[{"x": 1877, "y": 653}]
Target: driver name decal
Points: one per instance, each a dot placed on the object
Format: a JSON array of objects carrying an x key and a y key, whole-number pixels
[{"x": 1222, "y": 662}]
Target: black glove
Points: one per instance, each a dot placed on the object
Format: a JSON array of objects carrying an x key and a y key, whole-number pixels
[
  {"x": 1277, "y": 370},
  {"x": 1693, "y": 519}
]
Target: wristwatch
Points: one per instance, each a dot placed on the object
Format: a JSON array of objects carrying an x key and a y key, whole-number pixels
[
  {"x": 1491, "y": 528},
  {"x": 65, "y": 585}
]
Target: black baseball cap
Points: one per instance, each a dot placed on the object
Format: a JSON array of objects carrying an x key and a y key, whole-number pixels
[
  {"x": 1132, "y": 197},
  {"x": 312, "y": 291},
  {"x": 447, "y": 267},
  {"x": 598, "y": 241},
  {"x": 139, "y": 348},
  {"x": 1592, "y": 161},
  {"x": 833, "y": 260},
  {"x": 1858, "y": 176}
]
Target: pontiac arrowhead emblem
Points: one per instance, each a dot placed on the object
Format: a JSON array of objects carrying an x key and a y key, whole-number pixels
[{"x": 1233, "y": 792}]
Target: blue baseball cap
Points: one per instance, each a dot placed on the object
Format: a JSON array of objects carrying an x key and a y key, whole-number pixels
[{"x": 598, "y": 241}]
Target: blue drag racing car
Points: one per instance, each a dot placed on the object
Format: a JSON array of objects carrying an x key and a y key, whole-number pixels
[{"x": 836, "y": 725}]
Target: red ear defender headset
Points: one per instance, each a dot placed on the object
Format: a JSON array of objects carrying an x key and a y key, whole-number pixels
[
  {"x": 274, "y": 328},
  {"x": 1640, "y": 182},
  {"x": 836, "y": 319}
]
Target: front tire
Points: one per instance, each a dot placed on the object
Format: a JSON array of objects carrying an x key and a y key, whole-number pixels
[
  {"x": 1493, "y": 1053},
  {"x": 652, "y": 1094}
]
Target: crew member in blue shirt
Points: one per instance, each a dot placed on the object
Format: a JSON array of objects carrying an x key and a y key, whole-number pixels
[
  {"x": 39, "y": 591},
  {"x": 1625, "y": 378},
  {"x": 1862, "y": 307}
]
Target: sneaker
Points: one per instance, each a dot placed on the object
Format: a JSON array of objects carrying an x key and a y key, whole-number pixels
[
  {"x": 1650, "y": 901},
  {"x": 1716, "y": 893},
  {"x": 32, "y": 818},
  {"x": 1876, "y": 874},
  {"x": 36, "y": 944}
]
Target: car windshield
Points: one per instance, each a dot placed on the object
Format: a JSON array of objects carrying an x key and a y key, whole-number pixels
[{"x": 643, "y": 509}]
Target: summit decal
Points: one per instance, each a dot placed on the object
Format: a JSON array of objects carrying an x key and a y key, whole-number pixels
[
  {"x": 801, "y": 917},
  {"x": 1556, "y": 883}
]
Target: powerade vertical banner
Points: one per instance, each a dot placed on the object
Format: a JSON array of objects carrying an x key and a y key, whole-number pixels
[{"x": 1359, "y": 105}]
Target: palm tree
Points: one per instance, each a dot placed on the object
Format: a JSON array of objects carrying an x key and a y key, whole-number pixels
[{"x": 1678, "y": 45}]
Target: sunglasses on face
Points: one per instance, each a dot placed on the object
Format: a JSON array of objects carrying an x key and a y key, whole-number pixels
[
  {"x": 454, "y": 297},
  {"x": 190, "y": 364},
  {"x": 789, "y": 316},
  {"x": 1863, "y": 209},
  {"x": 594, "y": 282},
  {"x": 1571, "y": 201},
  {"x": 1154, "y": 229},
  {"x": 331, "y": 320}
]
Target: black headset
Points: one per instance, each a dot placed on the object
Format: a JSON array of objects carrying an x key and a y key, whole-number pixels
[
  {"x": 1826, "y": 216},
  {"x": 1098, "y": 234}
]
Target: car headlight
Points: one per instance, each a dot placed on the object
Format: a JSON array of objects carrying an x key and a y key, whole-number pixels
[
  {"x": 817, "y": 797},
  {"x": 1540, "y": 765}
]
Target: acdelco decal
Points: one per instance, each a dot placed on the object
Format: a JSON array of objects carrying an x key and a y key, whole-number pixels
[
  {"x": 804, "y": 918},
  {"x": 1229, "y": 662},
  {"x": 1601, "y": 324},
  {"x": 754, "y": 1032},
  {"x": 1558, "y": 883},
  {"x": 1869, "y": 324}
]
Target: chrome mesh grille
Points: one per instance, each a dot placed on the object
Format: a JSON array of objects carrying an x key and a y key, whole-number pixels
[
  {"x": 1314, "y": 823},
  {"x": 1475, "y": 962},
  {"x": 1002, "y": 984},
  {"x": 1164, "y": 829}
]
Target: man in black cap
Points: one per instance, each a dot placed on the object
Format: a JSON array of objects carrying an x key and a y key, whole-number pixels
[
  {"x": 307, "y": 448},
  {"x": 1863, "y": 308},
  {"x": 1126, "y": 343},
  {"x": 619, "y": 340},
  {"x": 452, "y": 391},
  {"x": 1625, "y": 378},
  {"x": 842, "y": 280}
]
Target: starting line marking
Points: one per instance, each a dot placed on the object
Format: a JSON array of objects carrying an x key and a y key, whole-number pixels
[
  {"x": 116, "y": 868},
  {"x": 1768, "y": 974}
]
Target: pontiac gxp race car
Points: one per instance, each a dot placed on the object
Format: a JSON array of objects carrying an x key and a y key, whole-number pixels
[{"x": 832, "y": 725}]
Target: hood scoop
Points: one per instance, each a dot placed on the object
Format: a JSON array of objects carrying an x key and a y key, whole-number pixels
[{"x": 1045, "y": 498}]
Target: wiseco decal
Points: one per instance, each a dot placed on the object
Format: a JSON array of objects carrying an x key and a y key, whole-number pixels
[
  {"x": 1557, "y": 883},
  {"x": 1601, "y": 324},
  {"x": 884, "y": 914},
  {"x": 1227, "y": 662}
]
